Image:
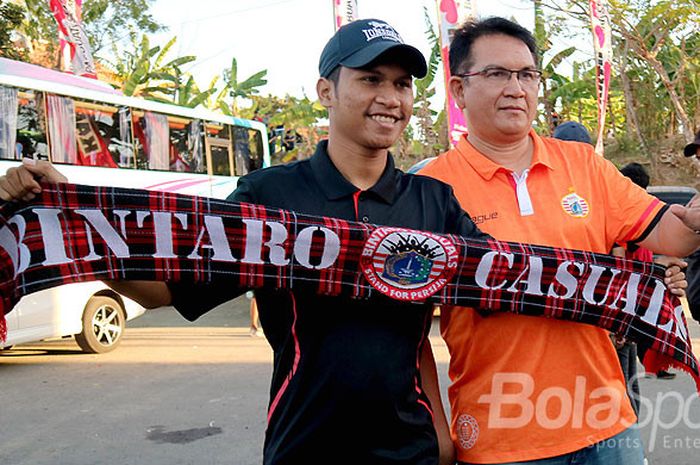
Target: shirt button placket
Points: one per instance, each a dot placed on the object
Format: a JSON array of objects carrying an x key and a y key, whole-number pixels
[{"x": 360, "y": 201}]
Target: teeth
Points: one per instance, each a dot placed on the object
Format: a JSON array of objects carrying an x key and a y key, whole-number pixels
[{"x": 384, "y": 119}]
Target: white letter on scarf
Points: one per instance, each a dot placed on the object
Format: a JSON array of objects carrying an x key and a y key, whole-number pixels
[
  {"x": 302, "y": 247},
  {"x": 485, "y": 266}
]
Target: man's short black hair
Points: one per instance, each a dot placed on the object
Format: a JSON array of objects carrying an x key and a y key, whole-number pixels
[
  {"x": 466, "y": 35},
  {"x": 636, "y": 173}
]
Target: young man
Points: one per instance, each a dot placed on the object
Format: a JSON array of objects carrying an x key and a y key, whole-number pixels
[
  {"x": 346, "y": 375},
  {"x": 529, "y": 389}
]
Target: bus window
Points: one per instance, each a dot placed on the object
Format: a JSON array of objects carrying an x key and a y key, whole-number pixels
[
  {"x": 186, "y": 145},
  {"x": 152, "y": 141},
  {"x": 60, "y": 113},
  {"x": 242, "y": 147},
  {"x": 30, "y": 140},
  {"x": 104, "y": 135},
  {"x": 8, "y": 124},
  {"x": 249, "y": 150},
  {"x": 219, "y": 149}
]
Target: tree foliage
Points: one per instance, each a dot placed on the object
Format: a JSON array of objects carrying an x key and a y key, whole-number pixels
[
  {"x": 104, "y": 21},
  {"x": 11, "y": 18}
]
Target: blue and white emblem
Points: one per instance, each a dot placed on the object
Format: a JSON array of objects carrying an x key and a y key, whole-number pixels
[
  {"x": 406, "y": 264},
  {"x": 575, "y": 205}
]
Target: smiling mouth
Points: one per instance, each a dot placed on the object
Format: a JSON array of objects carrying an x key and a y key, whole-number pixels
[
  {"x": 384, "y": 119},
  {"x": 513, "y": 109}
]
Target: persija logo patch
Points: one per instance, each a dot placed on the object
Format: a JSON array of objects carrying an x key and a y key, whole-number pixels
[
  {"x": 575, "y": 205},
  {"x": 408, "y": 265}
]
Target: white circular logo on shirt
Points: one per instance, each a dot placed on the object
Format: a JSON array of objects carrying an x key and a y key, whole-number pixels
[
  {"x": 467, "y": 431},
  {"x": 406, "y": 264}
]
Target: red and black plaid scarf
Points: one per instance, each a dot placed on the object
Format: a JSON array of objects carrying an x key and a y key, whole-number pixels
[{"x": 79, "y": 233}]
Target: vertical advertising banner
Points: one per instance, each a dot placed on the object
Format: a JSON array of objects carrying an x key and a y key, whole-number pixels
[
  {"x": 74, "y": 41},
  {"x": 451, "y": 13},
  {"x": 602, "y": 45},
  {"x": 344, "y": 12}
]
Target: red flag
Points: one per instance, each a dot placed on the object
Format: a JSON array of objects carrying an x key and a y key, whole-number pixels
[
  {"x": 344, "y": 12},
  {"x": 602, "y": 44},
  {"x": 72, "y": 37},
  {"x": 450, "y": 14}
]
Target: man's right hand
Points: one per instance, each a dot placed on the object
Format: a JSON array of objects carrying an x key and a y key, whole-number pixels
[{"x": 22, "y": 183}]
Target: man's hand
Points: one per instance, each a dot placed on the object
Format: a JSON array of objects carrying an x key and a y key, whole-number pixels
[
  {"x": 22, "y": 183},
  {"x": 675, "y": 277},
  {"x": 690, "y": 214}
]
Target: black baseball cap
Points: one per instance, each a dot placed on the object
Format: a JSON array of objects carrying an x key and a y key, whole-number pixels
[
  {"x": 573, "y": 131},
  {"x": 692, "y": 148},
  {"x": 361, "y": 42}
]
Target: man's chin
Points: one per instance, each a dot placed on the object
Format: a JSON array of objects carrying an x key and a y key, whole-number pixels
[{"x": 384, "y": 143}]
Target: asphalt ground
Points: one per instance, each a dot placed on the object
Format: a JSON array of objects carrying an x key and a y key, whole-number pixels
[{"x": 177, "y": 392}]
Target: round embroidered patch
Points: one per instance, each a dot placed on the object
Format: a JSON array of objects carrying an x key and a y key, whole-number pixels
[
  {"x": 575, "y": 205},
  {"x": 406, "y": 264},
  {"x": 467, "y": 431}
]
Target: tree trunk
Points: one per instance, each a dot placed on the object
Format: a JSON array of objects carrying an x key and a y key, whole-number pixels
[
  {"x": 680, "y": 112},
  {"x": 632, "y": 120}
]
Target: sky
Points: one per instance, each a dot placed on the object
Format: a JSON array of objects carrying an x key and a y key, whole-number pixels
[{"x": 286, "y": 36}]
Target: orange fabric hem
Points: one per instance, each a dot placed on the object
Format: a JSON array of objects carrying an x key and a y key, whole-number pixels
[{"x": 541, "y": 453}]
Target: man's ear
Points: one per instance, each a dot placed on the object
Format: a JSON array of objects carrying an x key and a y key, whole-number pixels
[
  {"x": 456, "y": 87},
  {"x": 325, "y": 90}
]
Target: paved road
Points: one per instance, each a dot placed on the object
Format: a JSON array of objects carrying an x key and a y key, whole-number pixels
[{"x": 178, "y": 393}]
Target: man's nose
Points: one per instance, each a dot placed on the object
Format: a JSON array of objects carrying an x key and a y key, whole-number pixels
[
  {"x": 513, "y": 84},
  {"x": 389, "y": 96}
]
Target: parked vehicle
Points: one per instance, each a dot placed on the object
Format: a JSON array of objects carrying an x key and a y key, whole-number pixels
[
  {"x": 673, "y": 194},
  {"x": 91, "y": 311}
]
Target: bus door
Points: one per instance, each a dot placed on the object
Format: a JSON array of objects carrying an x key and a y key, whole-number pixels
[{"x": 219, "y": 149}]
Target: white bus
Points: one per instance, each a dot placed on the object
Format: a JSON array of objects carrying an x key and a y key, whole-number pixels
[{"x": 97, "y": 136}]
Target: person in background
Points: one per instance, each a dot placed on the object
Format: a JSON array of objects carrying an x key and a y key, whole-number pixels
[
  {"x": 255, "y": 329},
  {"x": 572, "y": 131},
  {"x": 693, "y": 270}
]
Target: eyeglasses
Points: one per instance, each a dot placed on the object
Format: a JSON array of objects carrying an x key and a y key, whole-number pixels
[{"x": 500, "y": 76}]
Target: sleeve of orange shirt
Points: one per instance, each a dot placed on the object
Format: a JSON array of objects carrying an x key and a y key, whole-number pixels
[{"x": 631, "y": 212}]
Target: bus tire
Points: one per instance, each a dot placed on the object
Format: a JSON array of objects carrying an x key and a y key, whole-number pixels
[{"x": 104, "y": 320}]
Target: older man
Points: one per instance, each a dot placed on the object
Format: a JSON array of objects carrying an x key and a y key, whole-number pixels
[{"x": 529, "y": 389}]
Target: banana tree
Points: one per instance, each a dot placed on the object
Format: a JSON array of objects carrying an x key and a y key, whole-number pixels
[{"x": 238, "y": 89}]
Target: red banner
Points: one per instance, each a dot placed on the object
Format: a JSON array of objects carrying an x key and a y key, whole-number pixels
[
  {"x": 451, "y": 13},
  {"x": 344, "y": 12},
  {"x": 72, "y": 37},
  {"x": 602, "y": 44}
]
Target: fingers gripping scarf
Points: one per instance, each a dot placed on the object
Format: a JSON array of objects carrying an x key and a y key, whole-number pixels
[{"x": 74, "y": 233}]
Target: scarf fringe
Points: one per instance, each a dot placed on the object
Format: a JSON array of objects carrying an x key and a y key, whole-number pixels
[{"x": 655, "y": 361}]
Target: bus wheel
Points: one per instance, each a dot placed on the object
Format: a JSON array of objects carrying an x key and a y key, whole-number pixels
[{"x": 103, "y": 325}]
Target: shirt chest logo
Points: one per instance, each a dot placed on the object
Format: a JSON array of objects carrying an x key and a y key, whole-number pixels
[
  {"x": 575, "y": 205},
  {"x": 406, "y": 264}
]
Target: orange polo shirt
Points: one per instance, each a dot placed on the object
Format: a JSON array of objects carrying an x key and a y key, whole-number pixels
[{"x": 526, "y": 388}]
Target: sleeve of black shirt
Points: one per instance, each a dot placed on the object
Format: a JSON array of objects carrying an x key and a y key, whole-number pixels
[
  {"x": 194, "y": 300},
  {"x": 457, "y": 221}
]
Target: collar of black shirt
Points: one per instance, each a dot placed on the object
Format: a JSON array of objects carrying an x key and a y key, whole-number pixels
[{"x": 335, "y": 186}]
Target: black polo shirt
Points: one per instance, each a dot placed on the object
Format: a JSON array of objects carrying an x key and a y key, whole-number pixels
[{"x": 346, "y": 376}]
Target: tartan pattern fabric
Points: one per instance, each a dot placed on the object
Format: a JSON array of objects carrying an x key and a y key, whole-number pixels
[{"x": 73, "y": 233}]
